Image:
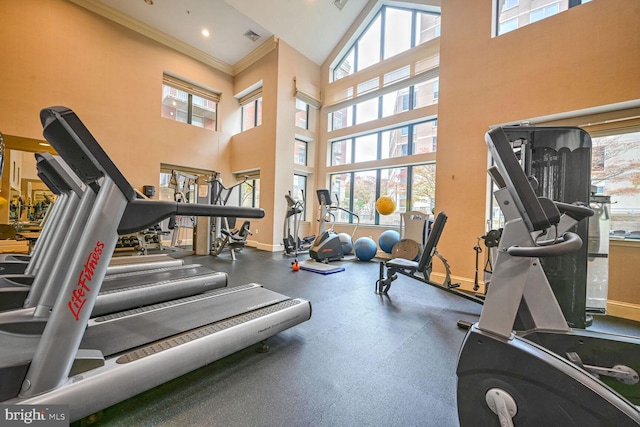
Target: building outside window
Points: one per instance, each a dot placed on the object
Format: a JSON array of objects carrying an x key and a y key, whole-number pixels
[
  {"x": 615, "y": 172},
  {"x": 300, "y": 152},
  {"x": 300, "y": 191},
  {"x": 514, "y": 14},
  {"x": 188, "y": 103},
  {"x": 358, "y": 191},
  {"x": 252, "y": 114},
  {"x": 302, "y": 114},
  {"x": 250, "y": 193}
]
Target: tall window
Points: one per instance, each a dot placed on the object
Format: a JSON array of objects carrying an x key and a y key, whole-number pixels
[
  {"x": 409, "y": 98},
  {"x": 392, "y": 31},
  {"x": 615, "y": 172},
  {"x": 300, "y": 190},
  {"x": 411, "y": 187},
  {"x": 188, "y": 103},
  {"x": 514, "y": 14},
  {"x": 250, "y": 193},
  {"x": 252, "y": 114},
  {"x": 302, "y": 114},
  {"x": 300, "y": 152},
  {"x": 416, "y": 138},
  {"x": 394, "y": 160}
]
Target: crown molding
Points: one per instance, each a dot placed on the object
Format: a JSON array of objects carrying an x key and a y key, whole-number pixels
[
  {"x": 255, "y": 55},
  {"x": 133, "y": 24}
]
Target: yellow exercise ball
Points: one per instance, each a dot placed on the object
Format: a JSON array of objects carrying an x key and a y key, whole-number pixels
[{"x": 385, "y": 205}]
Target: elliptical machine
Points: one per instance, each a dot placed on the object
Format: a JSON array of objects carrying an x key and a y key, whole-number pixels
[
  {"x": 329, "y": 245},
  {"x": 546, "y": 373},
  {"x": 293, "y": 244}
]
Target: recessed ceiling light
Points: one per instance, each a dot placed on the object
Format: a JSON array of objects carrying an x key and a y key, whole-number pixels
[{"x": 205, "y": 32}]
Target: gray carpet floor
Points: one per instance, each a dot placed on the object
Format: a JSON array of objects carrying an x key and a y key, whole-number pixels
[{"x": 362, "y": 360}]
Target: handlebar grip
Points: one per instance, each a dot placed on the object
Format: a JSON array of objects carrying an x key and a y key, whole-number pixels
[
  {"x": 570, "y": 242},
  {"x": 577, "y": 212}
]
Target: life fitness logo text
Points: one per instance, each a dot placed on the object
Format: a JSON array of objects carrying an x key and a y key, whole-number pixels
[{"x": 79, "y": 295}]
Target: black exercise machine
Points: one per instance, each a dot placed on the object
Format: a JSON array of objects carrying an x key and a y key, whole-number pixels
[
  {"x": 422, "y": 269},
  {"x": 223, "y": 231},
  {"x": 293, "y": 244},
  {"x": 329, "y": 245},
  {"x": 521, "y": 364}
]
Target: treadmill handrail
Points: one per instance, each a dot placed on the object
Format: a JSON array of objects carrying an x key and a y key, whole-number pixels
[
  {"x": 570, "y": 242},
  {"x": 141, "y": 214},
  {"x": 53, "y": 174},
  {"x": 64, "y": 130}
]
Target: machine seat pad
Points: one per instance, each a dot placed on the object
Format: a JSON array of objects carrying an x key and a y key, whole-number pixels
[{"x": 402, "y": 264}]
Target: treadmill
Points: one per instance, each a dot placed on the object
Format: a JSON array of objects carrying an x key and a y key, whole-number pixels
[
  {"x": 90, "y": 364},
  {"x": 62, "y": 182},
  {"x": 124, "y": 288}
]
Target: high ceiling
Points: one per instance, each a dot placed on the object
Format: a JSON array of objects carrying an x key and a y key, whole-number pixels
[{"x": 313, "y": 27}]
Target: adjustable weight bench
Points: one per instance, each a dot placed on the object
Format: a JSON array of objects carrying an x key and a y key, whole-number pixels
[{"x": 422, "y": 269}]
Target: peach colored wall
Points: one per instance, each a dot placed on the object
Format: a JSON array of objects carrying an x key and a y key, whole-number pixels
[
  {"x": 291, "y": 64},
  {"x": 255, "y": 148},
  {"x": 57, "y": 53},
  {"x": 584, "y": 57},
  {"x": 269, "y": 147}
]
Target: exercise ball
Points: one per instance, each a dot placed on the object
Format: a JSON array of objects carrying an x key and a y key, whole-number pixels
[
  {"x": 346, "y": 243},
  {"x": 365, "y": 248},
  {"x": 385, "y": 205},
  {"x": 387, "y": 239}
]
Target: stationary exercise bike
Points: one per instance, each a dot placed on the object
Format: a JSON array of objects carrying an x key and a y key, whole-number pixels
[
  {"x": 293, "y": 244},
  {"x": 546, "y": 374}
]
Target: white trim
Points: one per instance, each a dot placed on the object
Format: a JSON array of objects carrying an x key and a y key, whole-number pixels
[{"x": 133, "y": 24}]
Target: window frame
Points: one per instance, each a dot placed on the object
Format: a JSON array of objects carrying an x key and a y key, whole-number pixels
[
  {"x": 252, "y": 183},
  {"x": 409, "y": 203},
  {"x": 306, "y": 114},
  {"x": 297, "y": 142},
  {"x": 498, "y": 10},
  {"x": 257, "y": 113},
  {"x": 304, "y": 193},
  {"x": 351, "y": 141},
  {"x": 191, "y": 90},
  {"x": 336, "y": 70}
]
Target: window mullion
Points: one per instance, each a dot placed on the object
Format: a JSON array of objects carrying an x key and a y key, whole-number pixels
[
  {"x": 255, "y": 113},
  {"x": 352, "y": 189},
  {"x": 414, "y": 28},
  {"x": 409, "y": 204},
  {"x": 189, "y": 108},
  {"x": 410, "y": 139},
  {"x": 376, "y": 220},
  {"x": 353, "y": 151},
  {"x": 383, "y": 21}
]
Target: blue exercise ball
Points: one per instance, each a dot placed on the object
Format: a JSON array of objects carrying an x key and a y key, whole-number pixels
[
  {"x": 346, "y": 243},
  {"x": 387, "y": 239},
  {"x": 365, "y": 248}
]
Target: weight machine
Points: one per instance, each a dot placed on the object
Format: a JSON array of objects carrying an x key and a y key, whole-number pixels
[
  {"x": 521, "y": 364},
  {"x": 223, "y": 229}
]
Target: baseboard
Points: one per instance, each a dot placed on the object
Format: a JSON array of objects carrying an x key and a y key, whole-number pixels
[
  {"x": 624, "y": 310},
  {"x": 264, "y": 246},
  {"x": 466, "y": 284}
]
